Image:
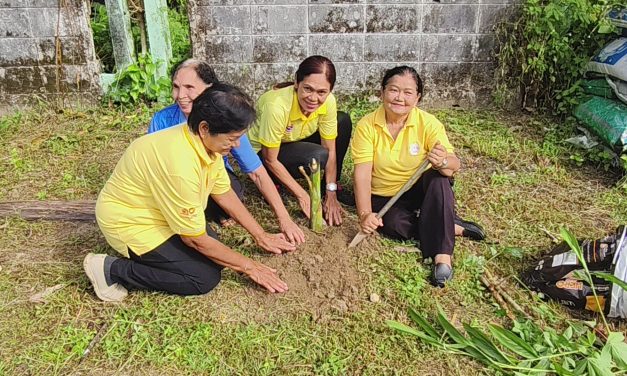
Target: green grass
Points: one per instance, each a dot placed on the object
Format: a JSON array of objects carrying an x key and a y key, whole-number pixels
[{"x": 517, "y": 180}]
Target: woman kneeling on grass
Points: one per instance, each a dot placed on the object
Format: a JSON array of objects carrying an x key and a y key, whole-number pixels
[
  {"x": 388, "y": 146},
  {"x": 299, "y": 121},
  {"x": 151, "y": 210}
]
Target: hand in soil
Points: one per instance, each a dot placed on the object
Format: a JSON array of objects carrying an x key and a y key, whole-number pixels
[
  {"x": 292, "y": 232},
  {"x": 305, "y": 204},
  {"x": 265, "y": 277},
  {"x": 369, "y": 223},
  {"x": 332, "y": 210},
  {"x": 274, "y": 243}
]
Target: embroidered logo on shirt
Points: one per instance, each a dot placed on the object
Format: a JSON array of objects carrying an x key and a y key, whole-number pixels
[
  {"x": 188, "y": 213},
  {"x": 289, "y": 128},
  {"x": 414, "y": 149}
]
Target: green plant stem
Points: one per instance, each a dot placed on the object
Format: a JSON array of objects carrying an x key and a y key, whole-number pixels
[
  {"x": 574, "y": 245},
  {"x": 553, "y": 356}
]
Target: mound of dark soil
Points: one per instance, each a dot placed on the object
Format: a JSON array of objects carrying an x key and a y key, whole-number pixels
[{"x": 325, "y": 279}]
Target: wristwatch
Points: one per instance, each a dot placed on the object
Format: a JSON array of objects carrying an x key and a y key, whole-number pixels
[
  {"x": 331, "y": 187},
  {"x": 443, "y": 164}
]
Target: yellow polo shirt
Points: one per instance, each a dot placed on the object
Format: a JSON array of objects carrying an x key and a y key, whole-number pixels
[
  {"x": 395, "y": 161},
  {"x": 280, "y": 119},
  {"x": 159, "y": 188}
]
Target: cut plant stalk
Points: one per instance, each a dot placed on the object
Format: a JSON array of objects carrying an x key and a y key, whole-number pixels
[{"x": 315, "y": 215}]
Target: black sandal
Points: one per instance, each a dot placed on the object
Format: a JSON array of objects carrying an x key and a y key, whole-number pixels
[{"x": 471, "y": 230}]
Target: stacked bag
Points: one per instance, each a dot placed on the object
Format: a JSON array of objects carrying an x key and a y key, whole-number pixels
[{"x": 558, "y": 274}]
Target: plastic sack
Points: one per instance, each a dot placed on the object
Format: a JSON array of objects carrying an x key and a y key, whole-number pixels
[
  {"x": 558, "y": 274},
  {"x": 611, "y": 60},
  {"x": 607, "y": 119}
]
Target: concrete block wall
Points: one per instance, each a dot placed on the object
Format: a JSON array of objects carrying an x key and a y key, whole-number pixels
[
  {"x": 256, "y": 43},
  {"x": 29, "y": 67}
]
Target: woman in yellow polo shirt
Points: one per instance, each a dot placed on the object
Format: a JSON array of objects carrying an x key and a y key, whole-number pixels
[
  {"x": 151, "y": 210},
  {"x": 388, "y": 146},
  {"x": 299, "y": 122}
]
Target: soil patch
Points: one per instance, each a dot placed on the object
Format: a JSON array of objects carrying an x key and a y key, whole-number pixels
[{"x": 325, "y": 279}]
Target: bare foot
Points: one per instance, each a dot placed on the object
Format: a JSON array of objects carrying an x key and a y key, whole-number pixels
[
  {"x": 459, "y": 230},
  {"x": 227, "y": 222}
]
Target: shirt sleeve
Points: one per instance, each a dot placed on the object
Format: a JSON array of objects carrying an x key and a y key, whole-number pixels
[
  {"x": 245, "y": 156},
  {"x": 222, "y": 182},
  {"x": 273, "y": 120},
  {"x": 179, "y": 200},
  {"x": 155, "y": 123},
  {"x": 166, "y": 118},
  {"x": 436, "y": 132},
  {"x": 362, "y": 144},
  {"x": 327, "y": 125}
]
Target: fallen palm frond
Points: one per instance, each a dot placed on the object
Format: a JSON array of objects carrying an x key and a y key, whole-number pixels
[{"x": 526, "y": 348}]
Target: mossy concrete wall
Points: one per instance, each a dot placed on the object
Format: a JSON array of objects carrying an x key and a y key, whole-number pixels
[
  {"x": 256, "y": 43},
  {"x": 46, "y": 53}
]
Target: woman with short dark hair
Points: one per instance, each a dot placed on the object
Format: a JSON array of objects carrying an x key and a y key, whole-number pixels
[
  {"x": 151, "y": 210},
  {"x": 298, "y": 122}
]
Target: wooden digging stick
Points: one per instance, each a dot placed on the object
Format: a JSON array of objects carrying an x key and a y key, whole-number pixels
[{"x": 414, "y": 178}]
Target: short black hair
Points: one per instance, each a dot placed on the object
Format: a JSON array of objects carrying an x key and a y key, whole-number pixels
[
  {"x": 224, "y": 107},
  {"x": 401, "y": 71},
  {"x": 202, "y": 69}
]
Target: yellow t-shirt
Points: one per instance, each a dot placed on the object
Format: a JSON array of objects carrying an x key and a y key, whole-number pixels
[
  {"x": 395, "y": 161},
  {"x": 280, "y": 119},
  {"x": 159, "y": 188}
]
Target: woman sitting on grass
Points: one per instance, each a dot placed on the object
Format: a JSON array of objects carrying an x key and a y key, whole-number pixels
[
  {"x": 299, "y": 121},
  {"x": 151, "y": 210},
  {"x": 388, "y": 146}
]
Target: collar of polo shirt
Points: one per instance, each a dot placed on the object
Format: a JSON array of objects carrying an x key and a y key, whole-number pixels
[
  {"x": 196, "y": 142},
  {"x": 412, "y": 118}
]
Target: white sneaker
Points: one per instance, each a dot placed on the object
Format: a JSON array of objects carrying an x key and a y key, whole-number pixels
[{"x": 94, "y": 268}]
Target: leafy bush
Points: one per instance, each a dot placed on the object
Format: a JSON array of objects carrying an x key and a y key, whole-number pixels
[
  {"x": 179, "y": 33},
  {"x": 102, "y": 37},
  {"x": 137, "y": 83},
  {"x": 544, "y": 52}
]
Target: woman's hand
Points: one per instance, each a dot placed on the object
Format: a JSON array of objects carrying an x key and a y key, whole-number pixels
[
  {"x": 332, "y": 210},
  {"x": 274, "y": 243},
  {"x": 437, "y": 155},
  {"x": 369, "y": 222},
  {"x": 292, "y": 232},
  {"x": 305, "y": 204},
  {"x": 265, "y": 276}
]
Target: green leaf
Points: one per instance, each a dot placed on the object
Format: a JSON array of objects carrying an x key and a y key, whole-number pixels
[
  {"x": 561, "y": 370},
  {"x": 512, "y": 342},
  {"x": 452, "y": 332},
  {"x": 422, "y": 322},
  {"x": 411, "y": 331},
  {"x": 483, "y": 344},
  {"x": 618, "y": 348},
  {"x": 479, "y": 356},
  {"x": 611, "y": 278}
]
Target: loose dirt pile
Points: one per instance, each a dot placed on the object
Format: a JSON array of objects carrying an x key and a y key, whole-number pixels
[{"x": 325, "y": 279}]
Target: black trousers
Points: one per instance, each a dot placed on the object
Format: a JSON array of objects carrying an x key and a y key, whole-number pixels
[
  {"x": 172, "y": 267},
  {"x": 434, "y": 227},
  {"x": 300, "y": 153},
  {"x": 214, "y": 213}
]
